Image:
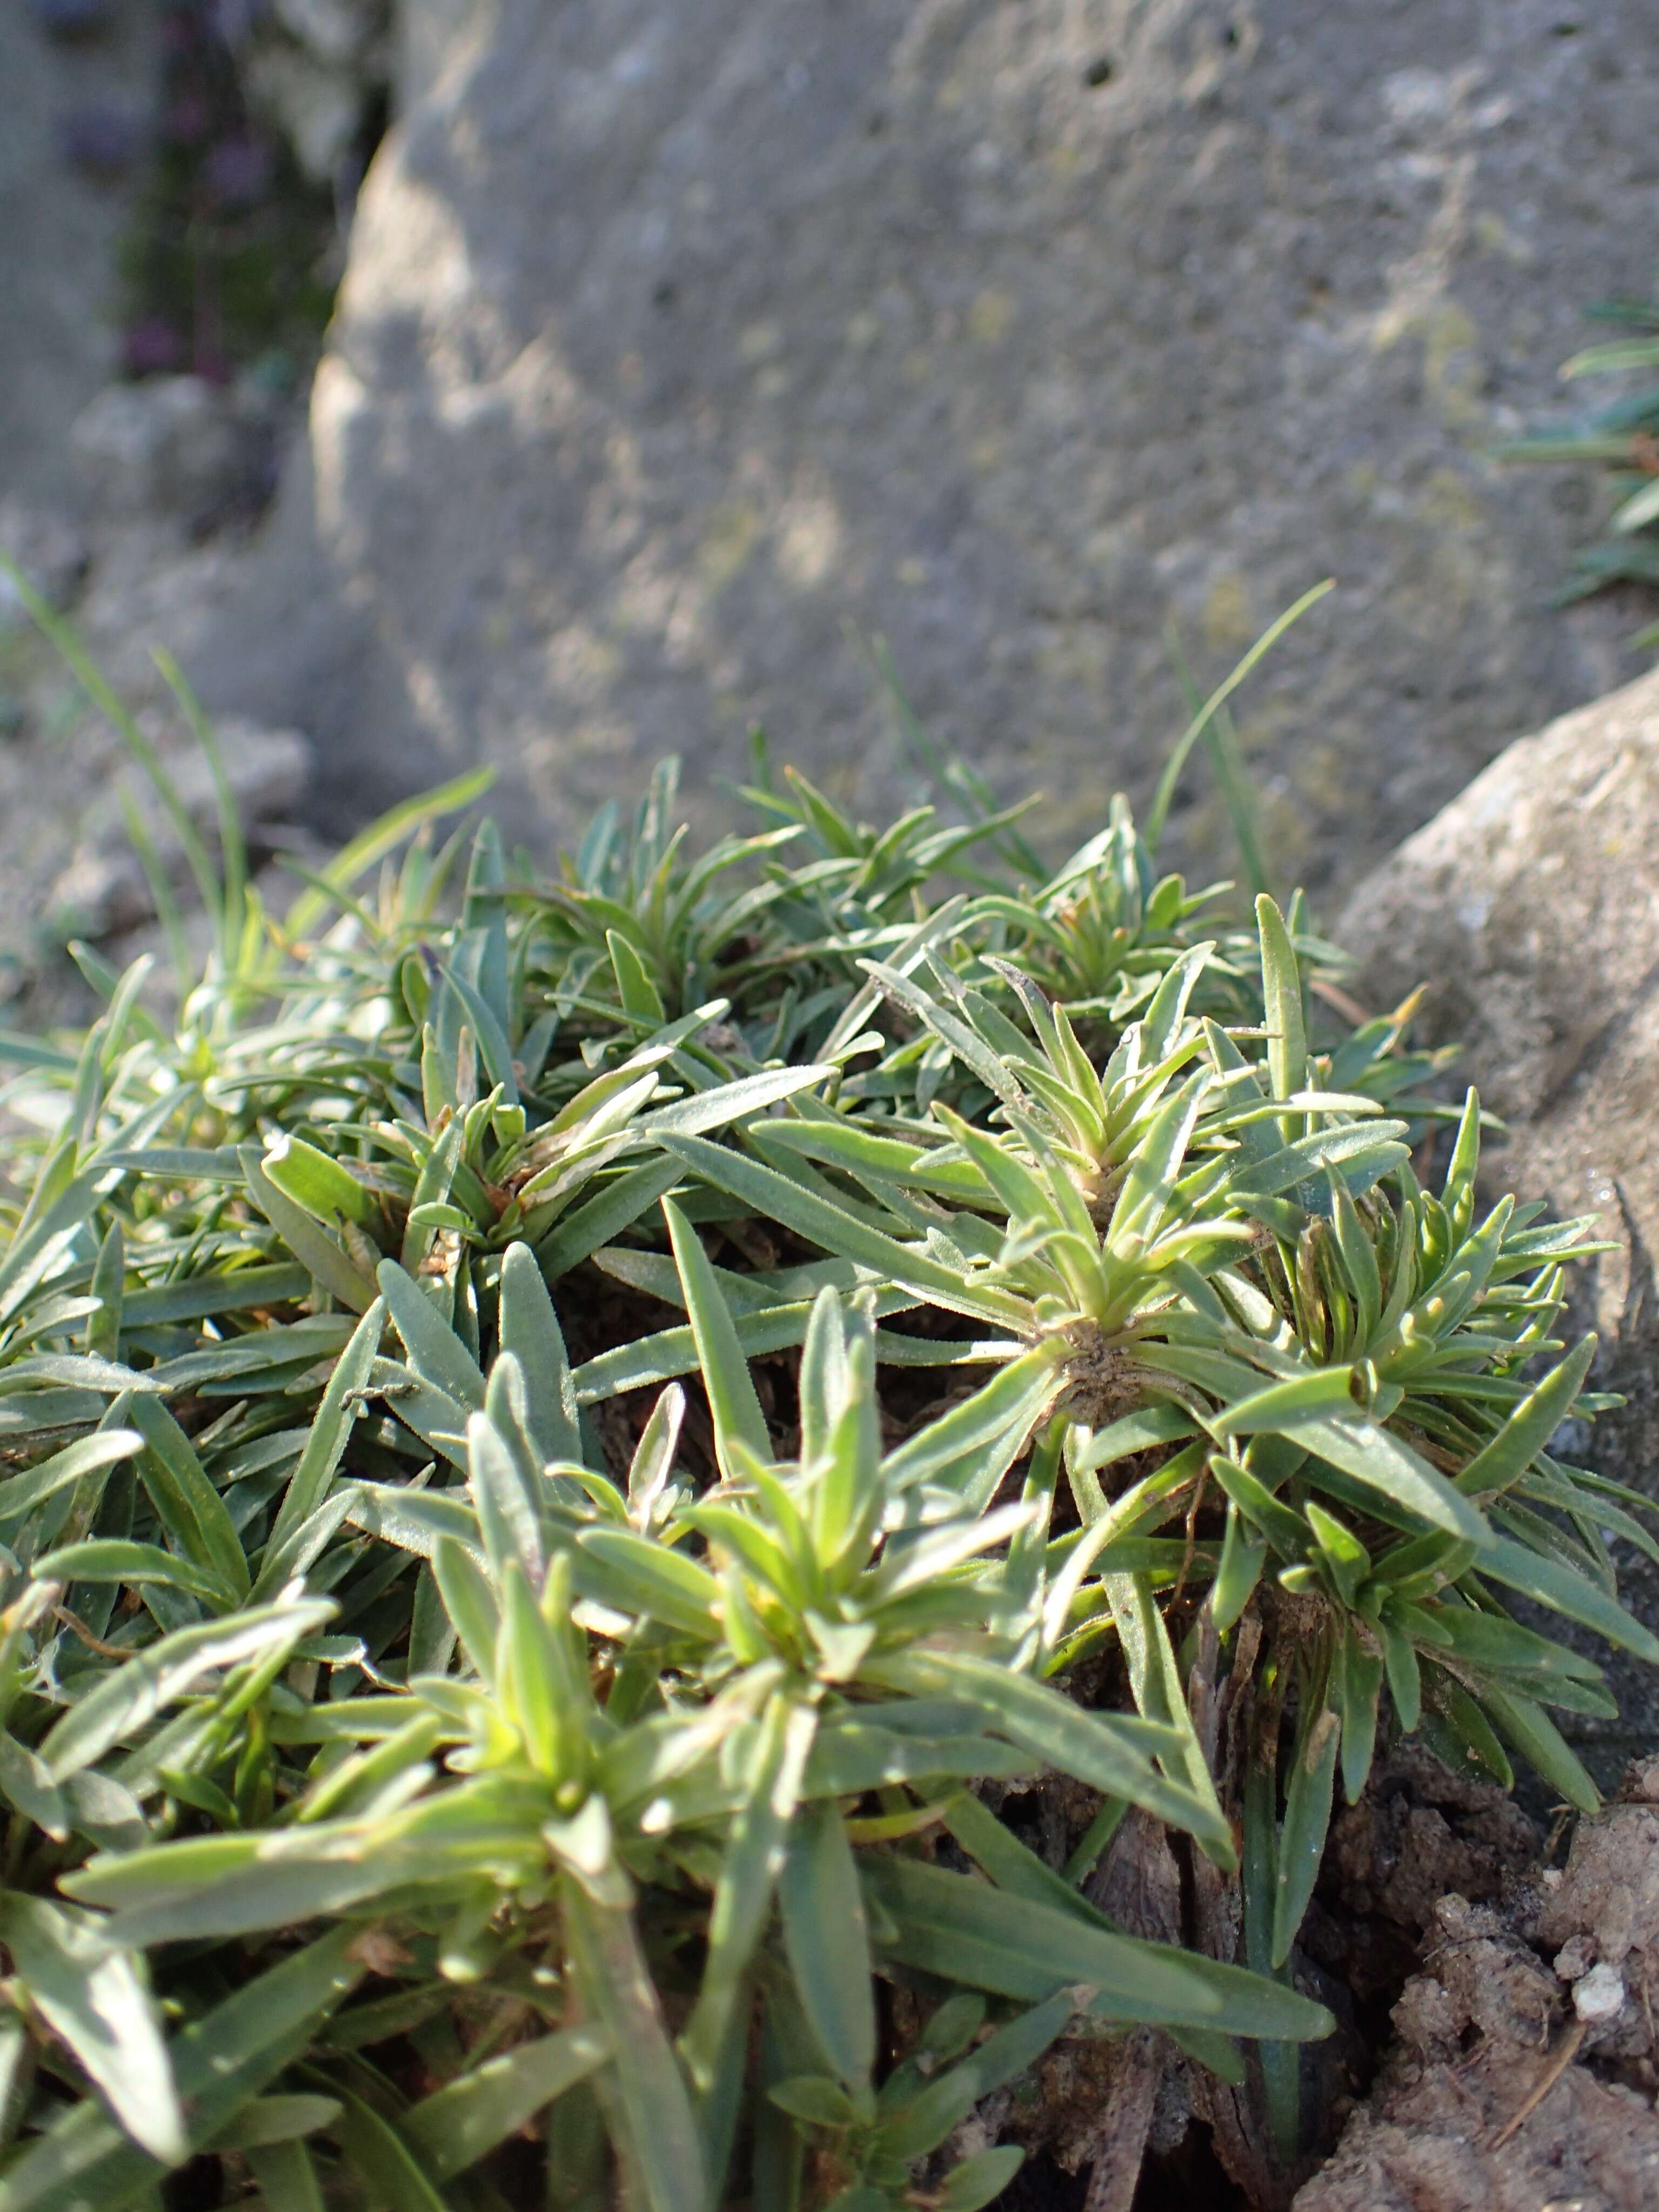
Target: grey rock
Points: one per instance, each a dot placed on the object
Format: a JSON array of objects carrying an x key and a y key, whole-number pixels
[
  {"x": 102, "y": 138},
  {"x": 50, "y": 550},
  {"x": 104, "y": 889},
  {"x": 676, "y": 342},
  {"x": 1531, "y": 907},
  {"x": 171, "y": 445},
  {"x": 316, "y": 67},
  {"x": 340, "y": 32},
  {"x": 147, "y": 582},
  {"x": 58, "y": 237},
  {"x": 317, "y": 107},
  {"x": 71, "y": 19}
]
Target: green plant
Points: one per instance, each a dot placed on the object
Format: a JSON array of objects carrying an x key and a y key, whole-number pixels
[
  {"x": 1623, "y": 438},
  {"x": 567, "y": 1441}
]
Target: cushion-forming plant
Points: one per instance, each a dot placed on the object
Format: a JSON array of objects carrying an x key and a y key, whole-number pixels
[{"x": 568, "y": 1445}]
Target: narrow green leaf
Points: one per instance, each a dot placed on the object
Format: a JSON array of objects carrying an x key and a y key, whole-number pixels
[
  {"x": 1095, "y": 1748},
  {"x": 1506, "y": 1457},
  {"x": 27, "y": 1786},
  {"x": 924, "y": 2122},
  {"x": 1156, "y": 1684},
  {"x": 435, "y": 1353},
  {"x": 980, "y": 2178},
  {"x": 20, "y": 1493},
  {"x": 321, "y": 1255},
  {"x": 1385, "y": 1463},
  {"x": 108, "y": 1284},
  {"x": 220, "y": 2063},
  {"x": 270, "y": 2120},
  {"x": 737, "y": 1413},
  {"x": 748, "y": 1872},
  {"x": 967, "y": 1932},
  {"x": 1307, "y": 1819},
  {"x": 1358, "y": 1686},
  {"x": 325, "y": 1443},
  {"x": 377, "y": 2151},
  {"x": 96, "y": 1998},
  {"x": 661, "y": 2139},
  {"x": 1548, "y": 1583},
  {"x": 1405, "y": 1677},
  {"x": 725, "y": 1102},
  {"x": 470, "y": 1603},
  {"x": 186, "y": 1502},
  {"x": 654, "y": 1580},
  {"x": 287, "y": 2177},
  {"x": 329, "y": 1192},
  {"x": 639, "y": 994},
  {"x": 506, "y": 1494},
  {"x": 529, "y": 1329},
  {"x": 1281, "y": 995},
  {"x": 775, "y": 1198},
  {"x": 605, "y": 1216},
  {"x": 828, "y": 1941},
  {"x": 464, "y": 2120},
  {"x": 999, "y": 1854},
  {"x": 1243, "y": 1550},
  {"x": 1530, "y": 1730},
  {"x": 1164, "y": 798},
  {"x": 125, "y": 1700},
  {"x": 109, "y": 1560},
  {"x": 491, "y": 1036},
  {"x": 1012, "y": 1401}
]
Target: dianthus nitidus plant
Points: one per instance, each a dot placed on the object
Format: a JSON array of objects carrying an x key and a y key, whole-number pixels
[{"x": 571, "y": 1444}]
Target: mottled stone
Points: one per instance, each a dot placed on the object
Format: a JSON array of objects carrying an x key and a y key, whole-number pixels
[
  {"x": 174, "y": 445},
  {"x": 1531, "y": 907},
  {"x": 105, "y": 889},
  {"x": 58, "y": 234},
  {"x": 680, "y": 347}
]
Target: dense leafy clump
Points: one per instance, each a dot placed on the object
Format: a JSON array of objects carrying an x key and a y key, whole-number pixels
[
  {"x": 569, "y": 1442},
  {"x": 1621, "y": 437}
]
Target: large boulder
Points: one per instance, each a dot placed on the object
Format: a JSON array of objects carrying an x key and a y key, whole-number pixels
[
  {"x": 682, "y": 347},
  {"x": 1531, "y": 907}
]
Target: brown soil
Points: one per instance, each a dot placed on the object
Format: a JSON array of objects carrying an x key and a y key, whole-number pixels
[{"x": 1524, "y": 2071}]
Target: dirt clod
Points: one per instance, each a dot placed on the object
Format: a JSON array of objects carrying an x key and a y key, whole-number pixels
[{"x": 1526, "y": 2064}]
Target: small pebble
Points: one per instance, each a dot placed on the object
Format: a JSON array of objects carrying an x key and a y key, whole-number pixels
[
  {"x": 1575, "y": 1957},
  {"x": 1599, "y": 1994}
]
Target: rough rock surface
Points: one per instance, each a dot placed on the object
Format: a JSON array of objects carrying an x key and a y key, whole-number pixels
[
  {"x": 1525, "y": 2069},
  {"x": 58, "y": 232},
  {"x": 676, "y": 340},
  {"x": 65, "y": 868},
  {"x": 171, "y": 446},
  {"x": 104, "y": 888},
  {"x": 1531, "y": 906}
]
